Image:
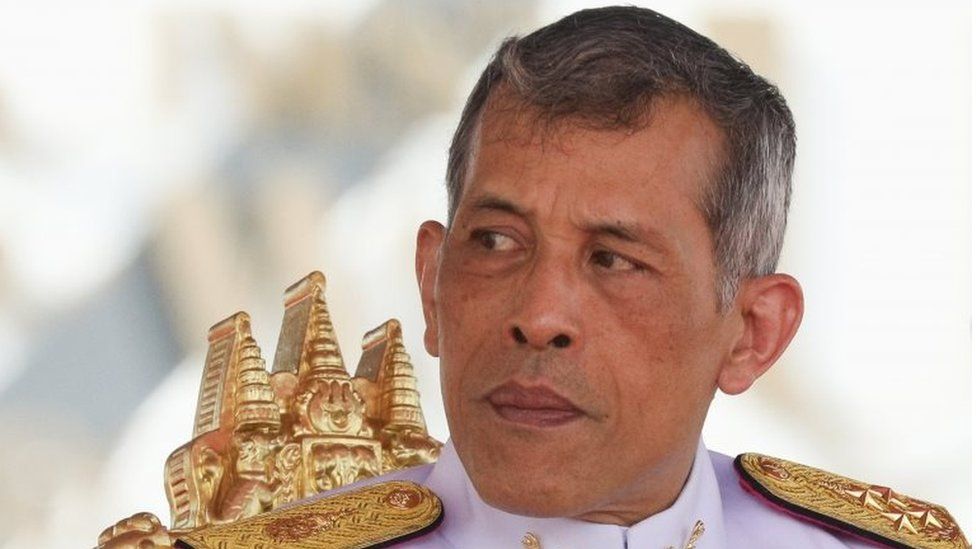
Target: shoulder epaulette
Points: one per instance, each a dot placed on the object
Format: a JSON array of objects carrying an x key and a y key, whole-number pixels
[
  {"x": 868, "y": 511},
  {"x": 372, "y": 516}
]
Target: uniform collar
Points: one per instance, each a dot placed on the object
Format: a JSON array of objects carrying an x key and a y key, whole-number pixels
[{"x": 470, "y": 522}]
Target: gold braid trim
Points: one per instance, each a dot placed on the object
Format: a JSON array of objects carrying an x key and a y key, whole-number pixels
[
  {"x": 362, "y": 518},
  {"x": 866, "y": 510}
]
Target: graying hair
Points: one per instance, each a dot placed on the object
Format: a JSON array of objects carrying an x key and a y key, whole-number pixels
[{"x": 604, "y": 67}]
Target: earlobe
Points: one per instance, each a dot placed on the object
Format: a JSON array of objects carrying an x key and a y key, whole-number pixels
[
  {"x": 771, "y": 308},
  {"x": 430, "y": 237}
]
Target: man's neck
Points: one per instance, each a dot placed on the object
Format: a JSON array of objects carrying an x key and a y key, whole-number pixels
[{"x": 654, "y": 492}]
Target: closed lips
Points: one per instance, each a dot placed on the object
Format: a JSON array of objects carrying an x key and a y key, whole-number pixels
[{"x": 538, "y": 406}]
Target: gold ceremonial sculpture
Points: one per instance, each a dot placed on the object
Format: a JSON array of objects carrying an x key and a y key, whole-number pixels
[{"x": 263, "y": 439}]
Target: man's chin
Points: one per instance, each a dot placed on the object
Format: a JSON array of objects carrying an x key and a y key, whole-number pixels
[
  {"x": 531, "y": 481},
  {"x": 528, "y": 498}
]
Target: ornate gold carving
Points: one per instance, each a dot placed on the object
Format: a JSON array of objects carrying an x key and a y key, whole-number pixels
[
  {"x": 361, "y": 518},
  {"x": 387, "y": 376},
  {"x": 136, "y": 532},
  {"x": 261, "y": 440},
  {"x": 877, "y": 510}
]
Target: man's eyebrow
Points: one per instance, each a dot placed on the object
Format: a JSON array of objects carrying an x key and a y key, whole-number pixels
[
  {"x": 629, "y": 232},
  {"x": 623, "y": 231},
  {"x": 492, "y": 202}
]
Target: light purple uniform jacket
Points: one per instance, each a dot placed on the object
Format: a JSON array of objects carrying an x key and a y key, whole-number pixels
[{"x": 732, "y": 518}]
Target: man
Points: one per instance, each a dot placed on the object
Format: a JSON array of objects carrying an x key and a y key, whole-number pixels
[{"x": 618, "y": 189}]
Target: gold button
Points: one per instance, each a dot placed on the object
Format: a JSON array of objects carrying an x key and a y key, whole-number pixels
[{"x": 531, "y": 541}]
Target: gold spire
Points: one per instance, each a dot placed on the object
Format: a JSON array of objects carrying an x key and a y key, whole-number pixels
[
  {"x": 255, "y": 404},
  {"x": 401, "y": 400},
  {"x": 324, "y": 357}
]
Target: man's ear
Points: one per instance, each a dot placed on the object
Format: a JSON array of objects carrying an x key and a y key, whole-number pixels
[
  {"x": 771, "y": 308},
  {"x": 430, "y": 236}
]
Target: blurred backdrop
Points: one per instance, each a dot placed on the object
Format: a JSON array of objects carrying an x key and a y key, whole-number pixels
[{"x": 164, "y": 164}]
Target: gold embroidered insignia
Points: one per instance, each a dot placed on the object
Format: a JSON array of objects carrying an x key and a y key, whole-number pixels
[
  {"x": 362, "y": 518},
  {"x": 696, "y": 533},
  {"x": 876, "y": 513}
]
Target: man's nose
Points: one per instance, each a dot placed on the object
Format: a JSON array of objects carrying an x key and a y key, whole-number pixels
[{"x": 545, "y": 311}]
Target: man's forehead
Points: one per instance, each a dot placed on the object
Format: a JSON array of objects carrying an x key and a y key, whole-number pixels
[
  {"x": 507, "y": 116},
  {"x": 684, "y": 133}
]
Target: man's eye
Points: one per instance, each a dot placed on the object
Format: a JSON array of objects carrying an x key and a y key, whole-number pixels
[
  {"x": 491, "y": 240},
  {"x": 613, "y": 262}
]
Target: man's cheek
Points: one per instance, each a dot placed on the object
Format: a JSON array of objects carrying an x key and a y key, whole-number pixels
[{"x": 472, "y": 312}]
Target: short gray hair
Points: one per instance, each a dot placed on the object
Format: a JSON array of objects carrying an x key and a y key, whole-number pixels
[{"x": 603, "y": 67}]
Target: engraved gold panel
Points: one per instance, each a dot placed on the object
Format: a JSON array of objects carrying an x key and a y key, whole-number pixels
[{"x": 264, "y": 439}]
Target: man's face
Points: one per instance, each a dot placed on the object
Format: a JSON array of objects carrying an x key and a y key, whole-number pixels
[{"x": 573, "y": 307}]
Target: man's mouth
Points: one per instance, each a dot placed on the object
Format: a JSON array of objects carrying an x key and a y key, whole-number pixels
[{"x": 532, "y": 406}]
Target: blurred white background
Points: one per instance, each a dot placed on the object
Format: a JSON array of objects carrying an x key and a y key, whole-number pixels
[{"x": 164, "y": 164}]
